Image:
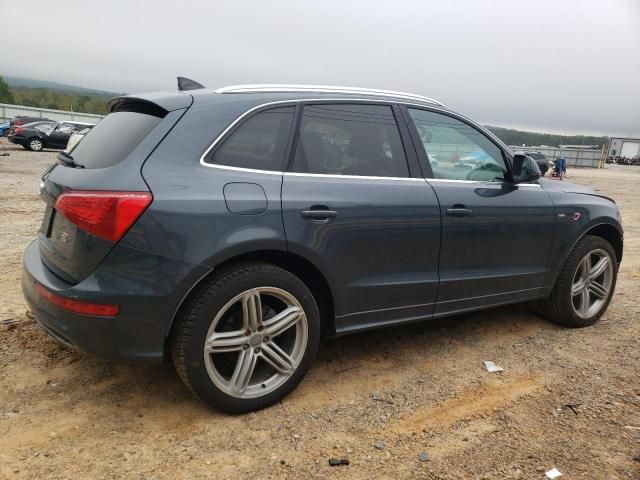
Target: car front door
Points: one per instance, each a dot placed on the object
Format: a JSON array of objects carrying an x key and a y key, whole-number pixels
[
  {"x": 59, "y": 137},
  {"x": 355, "y": 204},
  {"x": 496, "y": 235}
]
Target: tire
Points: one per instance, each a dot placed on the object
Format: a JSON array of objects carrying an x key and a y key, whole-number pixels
[
  {"x": 35, "y": 144},
  {"x": 566, "y": 303},
  {"x": 218, "y": 316}
]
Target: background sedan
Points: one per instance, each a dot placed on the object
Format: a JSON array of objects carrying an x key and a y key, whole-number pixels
[{"x": 38, "y": 135}]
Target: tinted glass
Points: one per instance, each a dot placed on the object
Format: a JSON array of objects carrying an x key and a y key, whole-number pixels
[
  {"x": 350, "y": 140},
  {"x": 456, "y": 150},
  {"x": 113, "y": 139},
  {"x": 258, "y": 143}
]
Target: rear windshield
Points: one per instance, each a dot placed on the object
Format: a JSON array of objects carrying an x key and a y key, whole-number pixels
[{"x": 113, "y": 139}]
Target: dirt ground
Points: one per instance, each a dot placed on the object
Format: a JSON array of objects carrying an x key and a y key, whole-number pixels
[{"x": 567, "y": 398}]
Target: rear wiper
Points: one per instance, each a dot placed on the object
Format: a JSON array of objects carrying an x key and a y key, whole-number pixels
[{"x": 66, "y": 159}]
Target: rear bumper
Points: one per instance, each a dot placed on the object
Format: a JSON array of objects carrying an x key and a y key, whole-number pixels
[
  {"x": 17, "y": 140},
  {"x": 148, "y": 288}
]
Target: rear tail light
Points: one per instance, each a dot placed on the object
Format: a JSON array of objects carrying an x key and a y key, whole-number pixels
[
  {"x": 17, "y": 130},
  {"x": 104, "y": 214},
  {"x": 77, "y": 306}
]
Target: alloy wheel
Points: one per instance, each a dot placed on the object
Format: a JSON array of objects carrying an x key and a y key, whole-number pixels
[
  {"x": 592, "y": 282},
  {"x": 256, "y": 342},
  {"x": 35, "y": 144}
]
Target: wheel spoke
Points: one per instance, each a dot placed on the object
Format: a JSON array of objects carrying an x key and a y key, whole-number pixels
[
  {"x": 243, "y": 371},
  {"x": 277, "y": 358},
  {"x": 220, "y": 342},
  {"x": 252, "y": 310},
  {"x": 282, "y": 321},
  {"x": 598, "y": 290},
  {"x": 584, "y": 301},
  {"x": 599, "y": 268},
  {"x": 577, "y": 288},
  {"x": 585, "y": 266}
]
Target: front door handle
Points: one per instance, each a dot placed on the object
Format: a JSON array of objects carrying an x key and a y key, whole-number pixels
[
  {"x": 459, "y": 211},
  {"x": 319, "y": 213}
]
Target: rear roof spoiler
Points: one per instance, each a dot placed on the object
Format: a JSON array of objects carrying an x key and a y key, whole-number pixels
[{"x": 166, "y": 101}]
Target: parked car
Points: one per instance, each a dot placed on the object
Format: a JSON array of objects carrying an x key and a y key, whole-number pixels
[
  {"x": 4, "y": 129},
  {"x": 541, "y": 160},
  {"x": 38, "y": 135},
  {"x": 232, "y": 229},
  {"x": 24, "y": 119}
]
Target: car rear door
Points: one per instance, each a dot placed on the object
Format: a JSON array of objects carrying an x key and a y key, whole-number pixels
[
  {"x": 496, "y": 236},
  {"x": 355, "y": 205}
]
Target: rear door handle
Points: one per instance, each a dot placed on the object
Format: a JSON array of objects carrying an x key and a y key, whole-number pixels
[
  {"x": 319, "y": 213},
  {"x": 459, "y": 211}
]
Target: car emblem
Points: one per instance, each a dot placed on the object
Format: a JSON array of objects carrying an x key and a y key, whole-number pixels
[{"x": 65, "y": 237}]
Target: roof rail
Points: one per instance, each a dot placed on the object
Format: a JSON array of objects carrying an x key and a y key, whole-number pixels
[{"x": 284, "y": 88}]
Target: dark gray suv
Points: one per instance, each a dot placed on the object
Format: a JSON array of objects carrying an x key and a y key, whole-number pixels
[{"x": 232, "y": 229}]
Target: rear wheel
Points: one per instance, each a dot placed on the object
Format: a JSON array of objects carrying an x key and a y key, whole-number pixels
[
  {"x": 247, "y": 337},
  {"x": 35, "y": 144},
  {"x": 585, "y": 284}
]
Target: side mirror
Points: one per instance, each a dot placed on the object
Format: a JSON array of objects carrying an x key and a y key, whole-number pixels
[{"x": 525, "y": 169}]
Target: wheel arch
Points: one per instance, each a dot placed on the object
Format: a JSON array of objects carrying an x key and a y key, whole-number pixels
[
  {"x": 299, "y": 266},
  {"x": 603, "y": 228},
  {"x": 611, "y": 234}
]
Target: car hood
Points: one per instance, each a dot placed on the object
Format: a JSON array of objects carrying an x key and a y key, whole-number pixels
[{"x": 568, "y": 187}]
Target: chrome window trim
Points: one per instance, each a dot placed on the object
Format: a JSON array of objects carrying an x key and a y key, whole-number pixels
[
  {"x": 291, "y": 88},
  {"x": 317, "y": 175},
  {"x": 352, "y": 177},
  {"x": 295, "y": 101}
]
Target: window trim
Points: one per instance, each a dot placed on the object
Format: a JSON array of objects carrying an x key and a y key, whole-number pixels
[
  {"x": 422, "y": 151},
  {"x": 298, "y": 102},
  {"x": 234, "y": 126}
]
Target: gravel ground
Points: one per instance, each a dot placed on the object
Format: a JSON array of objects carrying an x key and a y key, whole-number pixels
[{"x": 408, "y": 402}]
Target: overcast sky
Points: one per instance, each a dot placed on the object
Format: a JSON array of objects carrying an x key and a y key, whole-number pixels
[{"x": 569, "y": 66}]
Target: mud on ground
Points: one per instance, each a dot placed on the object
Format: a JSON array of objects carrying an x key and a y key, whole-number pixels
[{"x": 568, "y": 399}]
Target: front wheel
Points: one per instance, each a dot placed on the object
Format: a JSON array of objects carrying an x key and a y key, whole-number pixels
[
  {"x": 247, "y": 337},
  {"x": 585, "y": 284}
]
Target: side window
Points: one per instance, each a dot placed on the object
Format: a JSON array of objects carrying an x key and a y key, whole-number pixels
[
  {"x": 457, "y": 151},
  {"x": 350, "y": 140},
  {"x": 45, "y": 128},
  {"x": 65, "y": 128},
  {"x": 258, "y": 143}
]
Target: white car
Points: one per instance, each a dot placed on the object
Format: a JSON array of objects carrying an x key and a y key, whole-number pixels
[{"x": 75, "y": 138}]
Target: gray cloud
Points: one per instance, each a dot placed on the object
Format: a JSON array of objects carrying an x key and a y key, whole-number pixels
[{"x": 552, "y": 65}]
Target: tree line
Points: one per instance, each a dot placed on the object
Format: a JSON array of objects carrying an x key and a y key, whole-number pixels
[
  {"x": 53, "y": 99},
  {"x": 518, "y": 137}
]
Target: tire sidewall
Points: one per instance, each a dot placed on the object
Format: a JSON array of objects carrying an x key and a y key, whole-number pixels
[
  {"x": 589, "y": 243},
  {"x": 212, "y": 299}
]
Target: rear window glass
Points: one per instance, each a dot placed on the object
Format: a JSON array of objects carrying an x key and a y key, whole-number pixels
[
  {"x": 113, "y": 139},
  {"x": 259, "y": 143}
]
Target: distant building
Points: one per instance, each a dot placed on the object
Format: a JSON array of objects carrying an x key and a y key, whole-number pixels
[{"x": 624, "y": 147}]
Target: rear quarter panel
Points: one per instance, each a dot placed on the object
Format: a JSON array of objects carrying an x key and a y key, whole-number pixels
[{"x": 189, "y": 219}]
